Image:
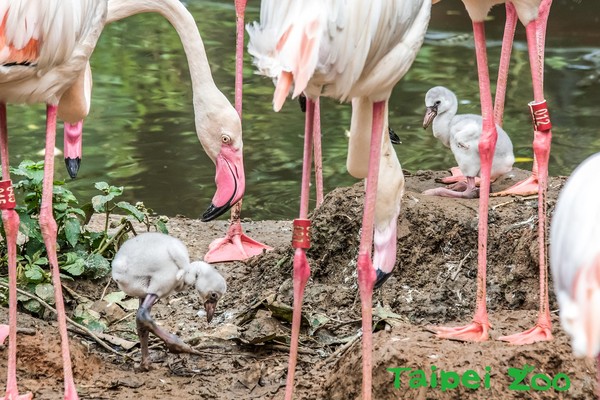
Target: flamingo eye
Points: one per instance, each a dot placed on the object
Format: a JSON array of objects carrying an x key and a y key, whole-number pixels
[
  {"x": 225, "y": 139},
  {"x": 437, "y": 103}
]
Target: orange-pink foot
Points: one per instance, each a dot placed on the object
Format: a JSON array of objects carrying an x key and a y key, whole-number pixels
[
  {"x": 456, "y": 176},
  {"x": 474, "y": 332},
  {"x": 524, "y": 188},
  {"x": 538, "y": 333},
  {"x": 235, "y": 246}
]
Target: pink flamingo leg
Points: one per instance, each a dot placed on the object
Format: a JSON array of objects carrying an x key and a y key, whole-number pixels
[
  {"x": 542, "y": 331},
  {"x": 469, "y": 190},
  {"x": 503, "y": 69},
  {"x": 457, "y": 177},
  {"x": 530, "y": 185},
  {"x": 366, "y": 272},
  {"x": 478, "y": 330},
  {"x": 49, "y": 229},
  {"x": 240, "y": 9},
  {"x": 318, "y": 153},
  {"x": 236, "y": 246},
  {"x": 10, "y": 219},
  {"x": 301, "y": 242}
]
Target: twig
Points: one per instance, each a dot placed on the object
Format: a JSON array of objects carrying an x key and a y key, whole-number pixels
[
  {"x": 124, "y": 318},
  {"x": 528, "y": 221},
  {"x": 280, "y": 347},
  {"x": 459, "y": 267},
  {"x": 73, "y": 293},
  {"x": 81, "y": 327},
  {"x": 344, "y": 323},
  {"x": 503, "y": 204},
  {"x": 342, "y": 349},
  {"x": 516, "y": 199},
  {"x": 106, "y": 288}
]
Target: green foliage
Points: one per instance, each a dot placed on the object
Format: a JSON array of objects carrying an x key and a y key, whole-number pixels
[{"x": 81, "y": 251}]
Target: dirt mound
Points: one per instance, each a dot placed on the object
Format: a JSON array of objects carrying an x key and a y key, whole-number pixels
[{"x": 245, "y": 348}]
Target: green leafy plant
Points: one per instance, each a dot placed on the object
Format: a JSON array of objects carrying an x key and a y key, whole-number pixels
[{"x": 82, "y": 252}]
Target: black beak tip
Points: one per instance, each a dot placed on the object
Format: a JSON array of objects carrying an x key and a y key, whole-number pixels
[
  {"x": 72, "y": 165},
  {"x": 381, "y": 278},
  {"x": 302, "y": 101},
  {"x": 394, "y": 138},
  {"x": 214, "y": 212}
]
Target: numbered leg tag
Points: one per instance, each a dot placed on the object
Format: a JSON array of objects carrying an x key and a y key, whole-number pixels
[
  {"x": 301, "y": 234},
  {"x": 7, "y": 196},
  {"x": 540, "y": 116}
]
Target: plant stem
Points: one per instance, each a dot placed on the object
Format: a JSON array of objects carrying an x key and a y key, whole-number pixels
[{"x": 108, "y": 242}]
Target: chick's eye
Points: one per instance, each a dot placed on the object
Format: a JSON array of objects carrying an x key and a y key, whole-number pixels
[
  {"x": 214, "y": 296},
  {"x": 225, "y": 139},
  {"x": 437, "y": 103}
]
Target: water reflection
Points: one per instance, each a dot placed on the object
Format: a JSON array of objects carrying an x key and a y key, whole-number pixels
[{"x": 140, "y": 133}]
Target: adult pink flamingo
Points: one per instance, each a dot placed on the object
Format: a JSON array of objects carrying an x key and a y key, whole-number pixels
[
  {"x": 575, "y": 258},
  {"x": 533, "y": 14},
  {"x": 225, "y": 150},
  {"x": 44, "y": 47},
  {"x": 39, "y": 61},
  {"x": 235, "y": 245},
  {"x": 347, "y": 50}
]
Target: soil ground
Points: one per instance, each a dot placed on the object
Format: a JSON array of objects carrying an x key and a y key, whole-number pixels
[{"x": 244, "y": 350}]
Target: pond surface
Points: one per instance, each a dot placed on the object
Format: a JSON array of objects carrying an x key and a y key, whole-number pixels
[{"x": 140, "y": 133}]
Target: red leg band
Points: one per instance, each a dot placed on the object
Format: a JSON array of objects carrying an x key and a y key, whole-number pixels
[
  {"x": 540, "y": 116},
  {"x": 7, "y": 196},
  {"x": 301, "y": 234}
]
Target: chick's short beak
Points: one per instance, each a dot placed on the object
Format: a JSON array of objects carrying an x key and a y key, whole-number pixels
[
  {"x": 430, "y": 114},
  {"x": 210, "y": 305}
]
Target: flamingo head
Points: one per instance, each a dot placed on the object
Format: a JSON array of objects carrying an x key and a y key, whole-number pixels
[
  {"x": 221, "y": 137},
  {"x": 210, "y": 284}
]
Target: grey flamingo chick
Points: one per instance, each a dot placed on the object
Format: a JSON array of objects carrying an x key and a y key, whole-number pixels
[
  {"x": 461, "y": 133},
  {"x": 151, "y": 266},
  {"x": 575, "y": 257}
]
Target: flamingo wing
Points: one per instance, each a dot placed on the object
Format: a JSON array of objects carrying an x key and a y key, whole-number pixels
[{"x": 341, "y": 47}]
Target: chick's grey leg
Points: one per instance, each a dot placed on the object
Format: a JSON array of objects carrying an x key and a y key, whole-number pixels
[
  {"x": 146, "y": 324},
  {"x": 142, "y": 330}
]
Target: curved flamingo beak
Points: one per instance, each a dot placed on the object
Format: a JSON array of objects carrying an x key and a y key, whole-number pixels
[
  {"x": 230, "y": 180},
  {"x": 430, "y": 114},
  {"x": 72, "y": 149}
]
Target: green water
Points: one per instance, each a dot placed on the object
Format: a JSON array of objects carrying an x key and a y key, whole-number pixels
[{"x": 140, "y": 133}]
